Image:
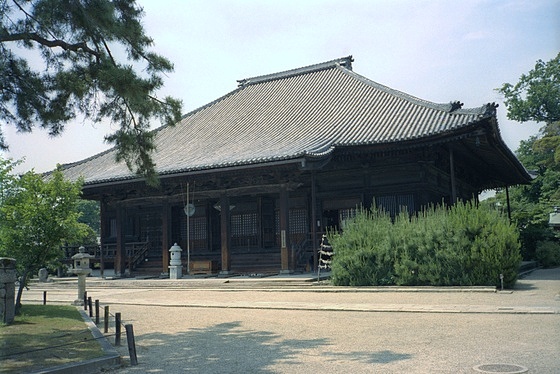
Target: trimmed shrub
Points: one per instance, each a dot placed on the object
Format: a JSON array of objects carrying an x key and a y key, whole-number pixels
[
  {"x": 363, "y": 252},
  {"x": 440, "y": 246}
]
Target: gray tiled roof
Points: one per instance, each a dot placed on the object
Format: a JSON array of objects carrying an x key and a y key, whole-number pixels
[{"x": 306, "y": 112}]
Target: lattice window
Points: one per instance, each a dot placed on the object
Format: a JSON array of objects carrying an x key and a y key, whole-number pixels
[
  {"x": 113, "y": 228},
  {"x": 299, "y": 225},
  {"x": 244, "y": 224},
  {"x": 345, "y": 214},
  {"x": 198, "y": 228},
  {"x": 244, "y": 229},
  {"x": 236, "y": 225},
  {"x": 298, "y": 221},
  {"x": 394, "y": 204},
  {"x": 406, "y": 202},
  {"x": 387, "y": 203}
]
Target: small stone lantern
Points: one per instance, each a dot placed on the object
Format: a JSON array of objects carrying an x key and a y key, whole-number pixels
[
  {"x": 175, "y": 265},
  {"x": 82, "y": 269}
]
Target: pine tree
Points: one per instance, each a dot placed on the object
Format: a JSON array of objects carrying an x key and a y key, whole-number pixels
[{"x": 96, "y": 63}]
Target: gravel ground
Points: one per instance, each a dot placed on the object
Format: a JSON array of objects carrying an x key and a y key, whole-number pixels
[
  {"x": 300, "y": 331},
  {"x": 272, "y": 341}
]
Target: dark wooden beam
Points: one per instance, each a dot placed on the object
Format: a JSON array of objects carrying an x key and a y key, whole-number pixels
[
  {"x": 284, "y": 230},
  {"x": 314, "y": 219},
  {"x": 165, "y": 230},
  {"x": 508, "y": 204},
  {"x": 120, "y": 257},
  {"x": 225, "y": 233},
  {"x": 452, "y": 175},
  {"x": 102, "y": 234}
]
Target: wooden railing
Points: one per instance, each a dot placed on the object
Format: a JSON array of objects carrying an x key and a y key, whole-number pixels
[
  {"x": 135, "y": 253},
  {"x": 304, "y": 250},
  {"x": 71, "y": 250}
]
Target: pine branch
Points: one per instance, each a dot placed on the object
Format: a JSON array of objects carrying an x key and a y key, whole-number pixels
[
  {"x": 76, "y": 47},
  {"x": 30, "y": 16}
]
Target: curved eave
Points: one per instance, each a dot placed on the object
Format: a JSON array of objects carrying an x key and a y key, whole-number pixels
[
  {"x": 303, "y": 113},
  {"x": 234, "y": 166}
]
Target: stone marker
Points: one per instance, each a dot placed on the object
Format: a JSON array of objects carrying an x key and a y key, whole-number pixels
[
  {"x": 43, "y": 275},
  {"x": 8, "y": 279}
]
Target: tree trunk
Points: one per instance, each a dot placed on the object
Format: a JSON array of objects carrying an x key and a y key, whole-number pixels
[{"x": 22, "y": 283}]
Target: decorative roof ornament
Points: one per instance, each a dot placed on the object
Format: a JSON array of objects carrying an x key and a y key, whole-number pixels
[
  {"x": 491, "y": 108},
  {"x": 455, "y": 105},
  {"x": 345, "y": 62}
]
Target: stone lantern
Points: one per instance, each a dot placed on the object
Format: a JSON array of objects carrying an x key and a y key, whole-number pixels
[
  {"x": 175, "y": 265},
  {"x": 82, "y": 269}
]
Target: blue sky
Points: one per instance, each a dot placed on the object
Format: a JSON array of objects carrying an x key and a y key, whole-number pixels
[{"x": 439, "y": 51}]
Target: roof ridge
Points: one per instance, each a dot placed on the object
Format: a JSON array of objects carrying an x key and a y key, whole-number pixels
[
  {"x": 343, "y": 61},
  {"x": 453, "y": 106}
]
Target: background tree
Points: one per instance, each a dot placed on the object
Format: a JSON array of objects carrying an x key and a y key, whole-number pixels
[
  {"x": 536, "y": 97},
  {"x": 89, "y": 214},
  {"x": 36, "y": 217},
  {"x": 8, "y": 180},
  {"x": 96, "y": 64}
]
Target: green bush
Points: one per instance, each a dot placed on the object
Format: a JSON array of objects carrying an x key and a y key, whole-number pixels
[
  {"x": 363, "y": 255},
  {"x": 548, "y": 253},
  {"x": 440, "y": 246}
]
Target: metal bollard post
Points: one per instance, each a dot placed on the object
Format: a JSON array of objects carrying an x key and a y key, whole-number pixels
[
  {"x": 44, "y": 297},
  {"x": 89, "y": 306},
  {"x": 106, "y": 320},
  {"x": 85, "y": 300},
  {"x": 97, "y": 312},
  {"x": 117, "y": 329},
  {"x": 131, "y": 344}
]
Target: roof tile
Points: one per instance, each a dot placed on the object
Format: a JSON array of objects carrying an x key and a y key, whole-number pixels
[{"x": 307, "y": 111}]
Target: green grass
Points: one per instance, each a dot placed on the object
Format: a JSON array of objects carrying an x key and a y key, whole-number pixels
[{"x": 45, "y": 336}]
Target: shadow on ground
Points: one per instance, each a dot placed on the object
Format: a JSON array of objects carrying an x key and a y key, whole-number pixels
[
  {"x": 229, "y": 347},
  {"x": 24, "y": 352},
  {"x": 527, "y": 282},
  {"x": 545, "y": 274}
]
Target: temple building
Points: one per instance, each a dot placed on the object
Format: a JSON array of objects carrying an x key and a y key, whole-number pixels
[{"x": 273, "y": 164}]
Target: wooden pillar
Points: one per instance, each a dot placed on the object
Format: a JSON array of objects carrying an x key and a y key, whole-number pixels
[
  {"x": 368, "y": 195},
  {"x": 508, "y": 204},
  {"x": 452, "y": 175},
  {"x": 284, "y": 230},
  {"x": 165, "y": 243},
  {"x": 120, "y": 255},
  {"x": 314, "y": 220},
  {"x": 102, "y": 235},
  {"x": 225, "y": 234}
]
